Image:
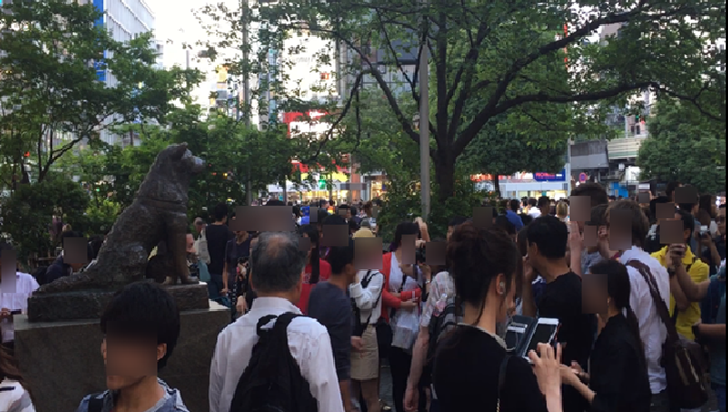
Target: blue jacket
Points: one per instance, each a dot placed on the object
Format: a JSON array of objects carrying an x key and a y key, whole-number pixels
[
  {"x": 172, "y": 401},
  {"x": 515, "y": 220}
]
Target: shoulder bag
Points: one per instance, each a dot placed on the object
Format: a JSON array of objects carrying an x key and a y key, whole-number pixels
[{"x": 682, "y": 359}]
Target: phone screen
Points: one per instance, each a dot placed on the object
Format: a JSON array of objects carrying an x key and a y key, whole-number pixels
[
  {"x": 514, "y": 335},
  {"x": 544, "y": 333}
]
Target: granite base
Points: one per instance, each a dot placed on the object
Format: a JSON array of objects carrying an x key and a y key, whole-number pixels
[
  {"x": 62, "y": 363},
  {"x": 89, "y": 304}
]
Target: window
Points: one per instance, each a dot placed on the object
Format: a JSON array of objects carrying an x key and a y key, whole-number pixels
[{"x": 325, "y": 76}]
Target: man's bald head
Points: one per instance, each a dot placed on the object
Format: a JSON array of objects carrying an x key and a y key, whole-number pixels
[{"x": 277, "y": 262}]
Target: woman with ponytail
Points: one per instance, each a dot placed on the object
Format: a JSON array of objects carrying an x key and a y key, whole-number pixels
[
  {"x": 316, "y": 269},
  {"x": 618, "y": 380}
]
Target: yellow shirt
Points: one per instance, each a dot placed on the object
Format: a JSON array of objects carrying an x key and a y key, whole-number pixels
[{"x": 699, "y": 272}]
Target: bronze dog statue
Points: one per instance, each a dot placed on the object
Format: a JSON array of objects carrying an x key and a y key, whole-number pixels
[{"x": 158, "y": 214}]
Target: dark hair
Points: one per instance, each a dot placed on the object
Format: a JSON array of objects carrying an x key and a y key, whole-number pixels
[
  {"x": 97, "y": 241},
  {"x": 344, "y": 206},
  {"x": 275, "y": 202},
  {"x": 312, "y": 233},
  {"x": 532, "y": 202},
  {"x": 620, "y": 290},
  {"x": 502, "y": 223},
  {"x": 514, "y": 204},
  {"x": 9, "y": 369},
  {"x": 526, "y": 219},
  {"x": 457, "y": 221},
  {"x": 657, "y": 201},
  {"x": 595, "y": 191},
  {"x": 143, "y": 310},
  {"x": 220, "y": 212},
  {"x": 598, "y": 215},
  {"x": 722, "y": 206},
  {"x": 522, "y": 241},
  {"x": 477, "y": 257},
  {"x": 688, "y": 221},
  {"x": 543, "y": 200},
  {"x": 688, "y": 206},
  {"x": 340, "y": 256},
  {"x": 335, "y": 219},
  {"x": 404, "y": 228},
  {"x": 322, "y": 202},
  {"x": 550, "y": 235},
  {"x": 670, "y": 189},
  {"x": 322, "y": 215},
  {"x": 277, "y": 262},
  {"x": 353, "y": 210},
  {"x": 332, "y": 202},
  {"x": 640, "y": 225},
  {"x": 706, "y": 203},
  {"x": 353, "y": 226}
]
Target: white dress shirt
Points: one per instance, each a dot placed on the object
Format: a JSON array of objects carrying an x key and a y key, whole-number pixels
[
  {"x": 365, "y": 297},
  {"x": 308, "y": 341},
  {"x": 652, "y": 330},
  {"x": 25, "y": 284}
]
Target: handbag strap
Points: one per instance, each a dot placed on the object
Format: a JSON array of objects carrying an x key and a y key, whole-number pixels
[
  {"x": 662, "y": 309},
  {"x": 376, "y": 302}
]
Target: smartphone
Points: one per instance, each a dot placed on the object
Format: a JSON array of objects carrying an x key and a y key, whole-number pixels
[
  {"x": 704, "y": 230},
  {"x": 544, "y": 332},
  {"x": 16, "y": 312},
  {"x": 515, "y": 334}
]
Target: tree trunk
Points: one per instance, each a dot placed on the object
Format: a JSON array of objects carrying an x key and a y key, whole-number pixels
[
  {"x": 445, "y": 175},
  {"x": 496, "y": 184}
]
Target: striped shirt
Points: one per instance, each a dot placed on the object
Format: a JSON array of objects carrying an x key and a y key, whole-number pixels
[{"x": 13, "y": 398}]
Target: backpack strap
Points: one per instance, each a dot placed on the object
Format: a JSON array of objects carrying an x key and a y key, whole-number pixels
[
  {"x": 376, "y": 302},
  {"x": 662, "y": 309},
  {"x": 367, "y": 278}
]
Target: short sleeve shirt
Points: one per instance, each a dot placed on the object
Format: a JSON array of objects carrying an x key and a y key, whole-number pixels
[{"x": 442, "y": 288}]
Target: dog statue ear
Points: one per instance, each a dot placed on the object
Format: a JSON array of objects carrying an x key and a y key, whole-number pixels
[{"x": 180, "y": 151}]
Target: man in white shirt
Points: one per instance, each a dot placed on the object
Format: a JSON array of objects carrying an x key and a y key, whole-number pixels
[
  {"x": 277, "y": 278},
  {"x": 14, "y": 294},
  {"x": 652, "y": 330}
]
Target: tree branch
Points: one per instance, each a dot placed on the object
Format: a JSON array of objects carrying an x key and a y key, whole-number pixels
[
  {"x": 492, "y": 108},
  {"x": 411, "y": 83}
]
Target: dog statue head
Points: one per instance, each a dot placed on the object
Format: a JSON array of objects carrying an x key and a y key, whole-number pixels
[{"x": 169, "y": 177}]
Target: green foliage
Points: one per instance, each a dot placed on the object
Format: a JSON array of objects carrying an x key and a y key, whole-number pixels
[
  {"x": 100, "y": 216},
  {"x": 490, "y": 59},
  {"x": 51, "y": 96},
  {"x": 684, "y": 146},
  {"x": 29, "y": 211}
]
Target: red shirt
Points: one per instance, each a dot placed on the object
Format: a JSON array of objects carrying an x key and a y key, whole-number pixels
[{"x": 324, "y": 273}]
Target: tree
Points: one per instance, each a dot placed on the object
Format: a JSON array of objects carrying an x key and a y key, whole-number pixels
[
  {"x": 684, "y": 146},
  {"x": 497, "y": 153},
  {"x": 52, "y": 96},
  {"x": 28, "y": 213},
  {"x": 493, "y": 58}
]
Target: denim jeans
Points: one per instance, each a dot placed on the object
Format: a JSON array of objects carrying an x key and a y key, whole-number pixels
[
  {"x": 214, "y": 286},
  {"x": 720, "y": 396}
]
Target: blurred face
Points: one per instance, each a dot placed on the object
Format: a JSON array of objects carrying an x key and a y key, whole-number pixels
[
  {"x": 720, "y": 220},
  {"x": 129, "y": 360},
  {"x": 686, "y": 232}
]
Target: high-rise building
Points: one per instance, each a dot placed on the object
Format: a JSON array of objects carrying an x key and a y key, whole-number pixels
[{"x": 125, "y": 20}]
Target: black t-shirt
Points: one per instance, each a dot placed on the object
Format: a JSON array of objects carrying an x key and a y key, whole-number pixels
[
  {"x": 234, "y": 251},
  {"x": 329, "y": 305},
  {"x": 466, "y": 371},
  {"x": 561, "y": 299},
  {"x": 217, "y": 237}
]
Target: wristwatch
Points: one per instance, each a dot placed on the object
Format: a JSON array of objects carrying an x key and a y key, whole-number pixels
[{"x": 671, "y": 272}]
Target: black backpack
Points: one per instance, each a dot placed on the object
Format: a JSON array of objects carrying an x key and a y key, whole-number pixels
[
  {"x": 40, "y": 275},
  {"x": 272, "y": 382},
  {"x": 439, "y": 326}
]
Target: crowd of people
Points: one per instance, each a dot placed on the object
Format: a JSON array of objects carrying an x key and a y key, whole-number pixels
[{"x": 637, "y": 290}]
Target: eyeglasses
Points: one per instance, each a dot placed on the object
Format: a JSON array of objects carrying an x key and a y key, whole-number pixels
[{"x": 720, "y": 219}]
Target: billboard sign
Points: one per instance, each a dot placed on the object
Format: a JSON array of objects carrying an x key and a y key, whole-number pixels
[{"x": 548, "y": 177}]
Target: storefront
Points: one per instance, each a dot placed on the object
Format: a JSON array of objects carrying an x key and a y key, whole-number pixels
[{"x": 531, "y": 185}]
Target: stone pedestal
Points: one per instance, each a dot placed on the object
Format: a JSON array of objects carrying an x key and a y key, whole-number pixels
[
  {"x": 89, "y": 304},
  {"x": 62, "y": 360}
]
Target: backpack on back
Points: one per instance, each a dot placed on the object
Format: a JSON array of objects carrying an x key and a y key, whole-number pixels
[
  {"x": 439, "y": 326},
  {"x": 272, "y": 381}
]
